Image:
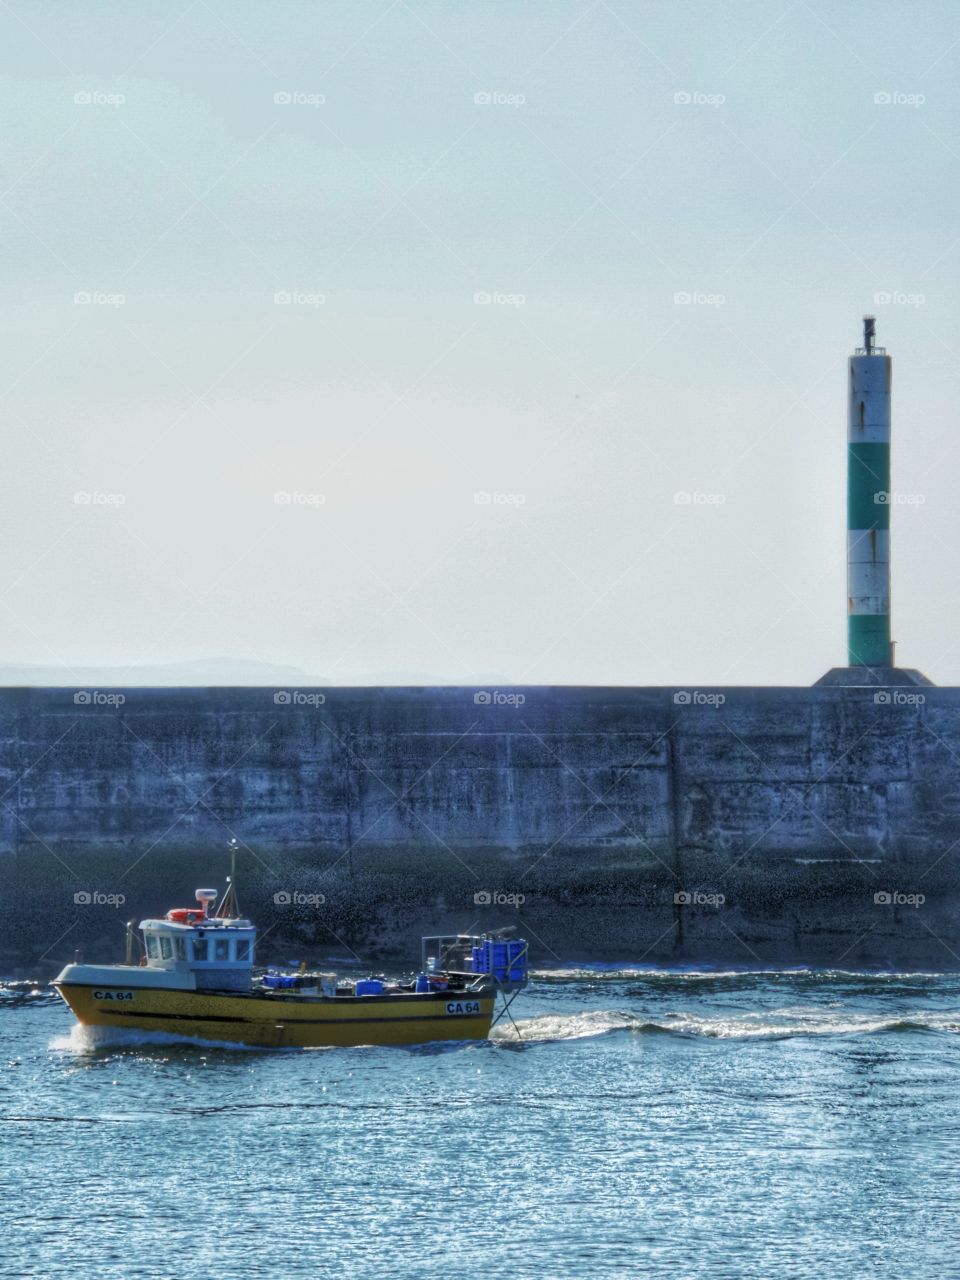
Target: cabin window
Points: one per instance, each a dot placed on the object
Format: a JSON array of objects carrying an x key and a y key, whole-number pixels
[
  {"x": 243, "y": 948},
  {"x": 181, "y": 948},
  {"x": 221, "y": 949},
  {"x": 153, "y": 951},
  {"x": 166, "y": 949},
  {"x": 200, "y": 949}
]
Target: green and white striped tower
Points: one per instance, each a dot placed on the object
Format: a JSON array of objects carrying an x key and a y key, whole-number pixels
[{"x": 868, "y": 504}]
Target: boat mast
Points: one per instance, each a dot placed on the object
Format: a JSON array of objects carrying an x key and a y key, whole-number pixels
[{"x": 229, "y": 904}]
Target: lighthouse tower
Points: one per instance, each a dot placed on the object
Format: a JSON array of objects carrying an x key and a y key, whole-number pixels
[
  {"x": 870, "y": 651},
  {"x": 868, "y": 504}
]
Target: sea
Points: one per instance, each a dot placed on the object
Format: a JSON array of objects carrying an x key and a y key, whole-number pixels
[{"x": 635, "y": 1121}]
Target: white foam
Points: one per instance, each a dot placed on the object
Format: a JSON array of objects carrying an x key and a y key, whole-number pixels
[
  {"x": 84, "y": 1040},
  {"x": 575, "y": 1026},
  {"x": 768, "y": 1025},
  {"x": 653, "y": 973}
]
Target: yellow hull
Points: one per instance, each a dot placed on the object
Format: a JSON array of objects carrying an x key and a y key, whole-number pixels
[{"x": 283, "y": 1022}]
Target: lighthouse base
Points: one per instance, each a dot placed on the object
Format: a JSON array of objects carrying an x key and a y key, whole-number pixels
[{"x": 873, "y": 677}]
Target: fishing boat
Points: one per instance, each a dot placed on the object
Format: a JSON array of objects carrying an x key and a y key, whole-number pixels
[{"x": 191, "y": 974}]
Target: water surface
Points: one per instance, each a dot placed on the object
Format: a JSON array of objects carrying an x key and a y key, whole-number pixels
[{"x": 645, "y": 1122}]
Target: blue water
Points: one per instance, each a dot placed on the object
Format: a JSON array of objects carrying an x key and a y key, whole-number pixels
[{"x": 648, "y": 1123}]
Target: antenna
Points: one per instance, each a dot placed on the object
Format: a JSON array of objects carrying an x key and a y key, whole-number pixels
[{"x": 229, "y": 903}]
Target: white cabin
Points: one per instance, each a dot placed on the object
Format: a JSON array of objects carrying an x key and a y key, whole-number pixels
[
  {"x": 217, "y": 951},
  {"x": 219, "y": 954},
  {"x": 187, "y": 950}
]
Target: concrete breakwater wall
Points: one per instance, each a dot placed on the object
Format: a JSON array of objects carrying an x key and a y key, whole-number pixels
[{"x": 737, "y": 825}]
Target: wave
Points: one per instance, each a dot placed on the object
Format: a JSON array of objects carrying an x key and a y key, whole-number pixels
[
  {"x": 778, "y": 1024},
  {"x": 16, "y": 995},
  {"x": 620, "y": 972},
  {"x": 83, "y": 1040}
]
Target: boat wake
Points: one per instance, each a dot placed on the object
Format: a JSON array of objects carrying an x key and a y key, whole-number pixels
[
  {"x": 779, "y": 1024},
  {"x": 82, "y": 1040}
]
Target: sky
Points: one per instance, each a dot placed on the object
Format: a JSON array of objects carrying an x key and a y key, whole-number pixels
[{"x": 437, "y": 342}]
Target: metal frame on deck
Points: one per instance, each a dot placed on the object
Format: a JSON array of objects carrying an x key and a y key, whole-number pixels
[{"x": 453, "y": 953}]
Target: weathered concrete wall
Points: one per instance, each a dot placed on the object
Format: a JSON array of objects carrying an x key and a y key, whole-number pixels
[{"x": 400, "y": 806}]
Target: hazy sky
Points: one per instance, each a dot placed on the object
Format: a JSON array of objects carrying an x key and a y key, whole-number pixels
[{"x": 246, "y": 249}]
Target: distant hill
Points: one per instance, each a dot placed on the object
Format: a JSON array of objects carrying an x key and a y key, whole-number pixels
[
  {"x": 217, "y": 671},
  {"x": 204, "y": 671}
]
